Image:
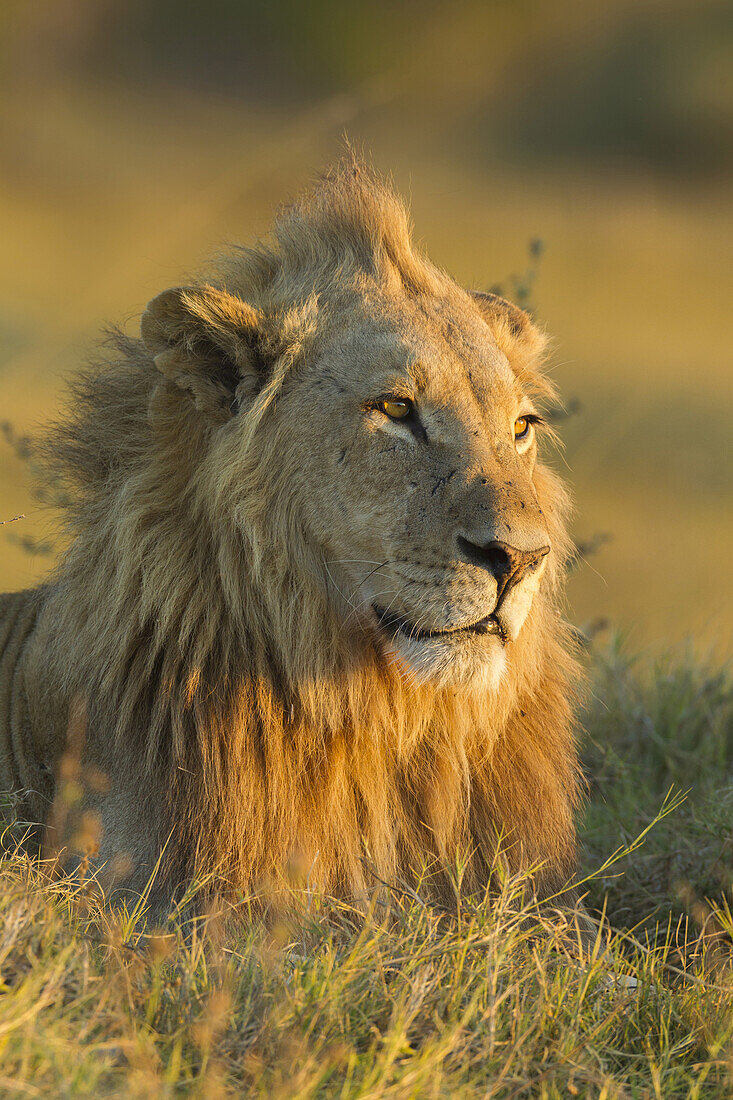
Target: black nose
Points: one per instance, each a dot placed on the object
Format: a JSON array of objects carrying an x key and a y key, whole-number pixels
[{"x": 507, "y": 564}]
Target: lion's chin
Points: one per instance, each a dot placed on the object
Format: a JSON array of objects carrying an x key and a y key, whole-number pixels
[{"x": 444, "y": 664}]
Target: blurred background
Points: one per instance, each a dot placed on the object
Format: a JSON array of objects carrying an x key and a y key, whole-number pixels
[{"x": 137, "y": 138}]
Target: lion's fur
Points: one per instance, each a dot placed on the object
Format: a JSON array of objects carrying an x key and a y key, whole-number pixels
[{"x": 236, "y": 718}]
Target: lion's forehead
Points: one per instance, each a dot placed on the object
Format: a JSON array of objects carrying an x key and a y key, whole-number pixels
[{"x": 440, "y": 356}]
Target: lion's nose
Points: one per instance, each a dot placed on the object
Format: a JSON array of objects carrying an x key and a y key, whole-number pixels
[{"x": 506, "y": 563}]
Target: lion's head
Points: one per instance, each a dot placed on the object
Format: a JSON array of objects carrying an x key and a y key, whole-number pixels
[{"x": 401, "y": 416}]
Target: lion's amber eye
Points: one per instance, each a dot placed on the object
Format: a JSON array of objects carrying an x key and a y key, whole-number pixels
[
  {"x": 521, "y": 427},
  {"x": 396, "y": 408}
]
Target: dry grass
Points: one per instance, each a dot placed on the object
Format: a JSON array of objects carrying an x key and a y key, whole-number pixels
[{"x": 402, "y": 1003}]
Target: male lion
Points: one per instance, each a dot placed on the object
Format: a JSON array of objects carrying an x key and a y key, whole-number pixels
[{"x": 309, "y": 601}]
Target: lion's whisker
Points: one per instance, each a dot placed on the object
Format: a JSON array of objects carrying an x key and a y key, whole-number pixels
[
  {"x": 366, "y": 602},
  {"x": 352, "y": 561},
  {"x": 333, "y": 582}
]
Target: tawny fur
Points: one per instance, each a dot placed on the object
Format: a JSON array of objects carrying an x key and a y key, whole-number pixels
[{"x": 237, "y": 715}]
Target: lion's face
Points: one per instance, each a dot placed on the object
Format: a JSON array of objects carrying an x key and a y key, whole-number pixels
[
  {"x": 362, "y": 399},
  {"x": 414, "y": 451}
]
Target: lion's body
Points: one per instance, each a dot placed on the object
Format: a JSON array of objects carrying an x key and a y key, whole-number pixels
[
  {"x": 19, "y": 757},
  {"x": 240, "y": 715}
]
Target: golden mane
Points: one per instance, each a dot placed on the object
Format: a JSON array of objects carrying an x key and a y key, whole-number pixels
[{"x": 195, "y": 616}]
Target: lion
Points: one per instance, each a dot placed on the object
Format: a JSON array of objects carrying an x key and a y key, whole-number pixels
[{"x": 310, "y": 599}]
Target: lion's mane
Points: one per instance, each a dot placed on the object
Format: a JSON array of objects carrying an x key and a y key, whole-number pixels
[{"x": 239, "y": 720}]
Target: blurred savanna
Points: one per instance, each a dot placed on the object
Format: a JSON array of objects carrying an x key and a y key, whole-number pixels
[{"x": 139, "y": 139}]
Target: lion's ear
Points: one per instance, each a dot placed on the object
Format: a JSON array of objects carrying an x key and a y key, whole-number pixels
[
  {"x": 208, "y": 343},
  {"x": 513, "y": 328}
]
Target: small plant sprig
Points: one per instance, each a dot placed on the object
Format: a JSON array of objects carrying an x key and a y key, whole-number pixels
[
  {"x": 47, "y": 492},
  {"x": 520, "y": 288}
]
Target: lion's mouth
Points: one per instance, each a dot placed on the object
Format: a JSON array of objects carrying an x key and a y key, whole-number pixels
[{"x": 391, "y": 623}]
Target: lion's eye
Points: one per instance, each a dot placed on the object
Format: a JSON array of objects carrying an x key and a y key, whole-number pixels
[
  {"x": 521, "y": 427},
  {"x": 396, "y": 408}
]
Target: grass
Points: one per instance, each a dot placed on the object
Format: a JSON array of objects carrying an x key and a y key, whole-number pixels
[
  {"x": 406, "y": 1001},
  {"x": 651, "y": 729}
]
